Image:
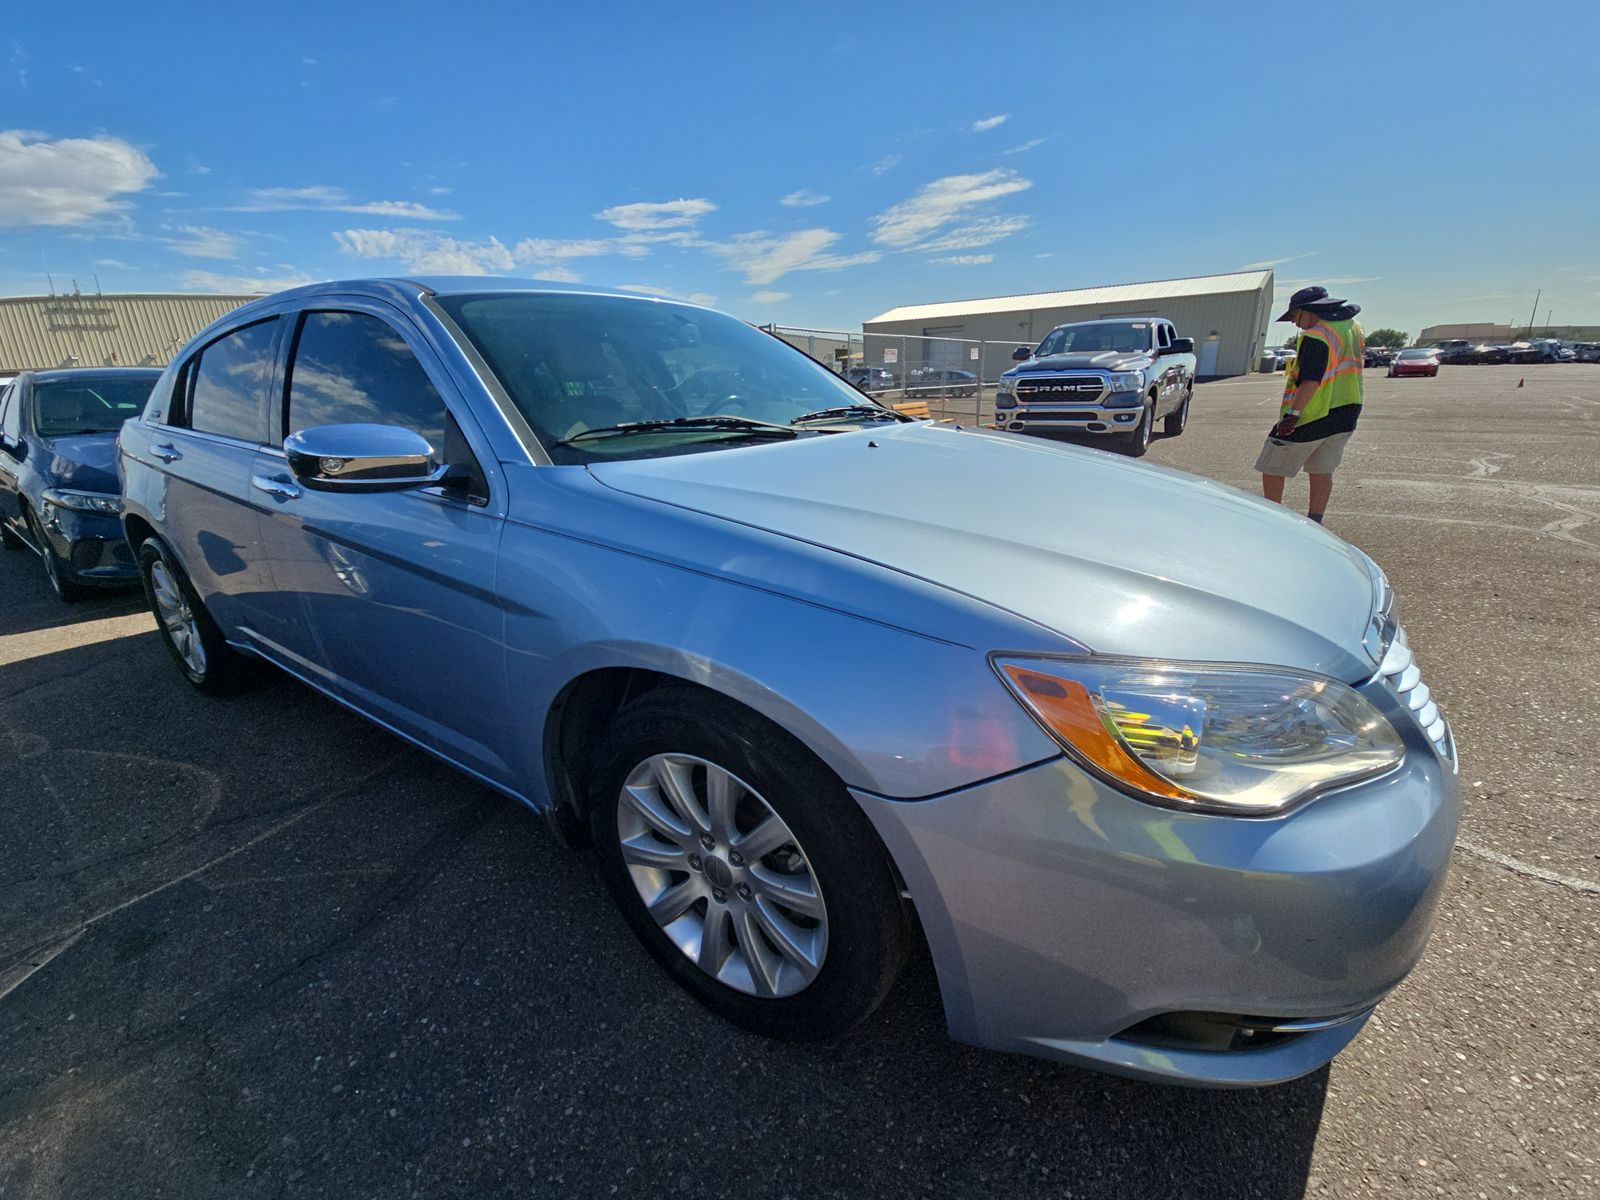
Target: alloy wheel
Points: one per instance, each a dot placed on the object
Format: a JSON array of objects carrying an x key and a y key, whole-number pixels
[
  {"x": 722, "y": 875},
  {"x": 177, "y": 618}
]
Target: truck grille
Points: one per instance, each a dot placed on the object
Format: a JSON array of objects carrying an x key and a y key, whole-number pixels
[
  {"x": 1400, "y": 671},
  {"x": 1063, "y": 389}
]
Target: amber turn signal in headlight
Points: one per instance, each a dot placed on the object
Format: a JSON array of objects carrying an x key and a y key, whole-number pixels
[{"x": 1215, "y": 739}]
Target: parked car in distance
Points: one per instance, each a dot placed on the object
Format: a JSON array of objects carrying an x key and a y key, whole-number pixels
[
  {"x": 1453, "y": 351},
  {"x": 1379, "y": 356},
  {"x": 59, "y": 494},
  {"x": 1586, "y": 351},
  {"x": 871, "y": 379},
  {"x": 1417, "y": 361},
  {"x": 1153, "y": 812},
  {"x": 1112, "y": 378},
  {"x": 940, "y": 381}
]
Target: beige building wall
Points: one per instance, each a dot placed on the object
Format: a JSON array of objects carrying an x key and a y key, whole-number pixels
[{"x": 77, "y": 330}]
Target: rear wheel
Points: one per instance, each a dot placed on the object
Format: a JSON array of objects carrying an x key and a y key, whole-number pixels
[
  {"x": 745, "y": 867},
  {"x": 191, "y": 636},
  {"x": 1136, "y": 442},
  {"x": 1177, "y": 421},
  {"x": 59, "y": 573}
]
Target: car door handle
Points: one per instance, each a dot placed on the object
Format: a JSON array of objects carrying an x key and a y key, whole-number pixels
[
  {"x": 166, "y": 452},
  {"x": 281, "y": 488}
]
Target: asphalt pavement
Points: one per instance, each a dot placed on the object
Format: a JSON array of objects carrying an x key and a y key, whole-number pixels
[{"x": 256, "y": 947}]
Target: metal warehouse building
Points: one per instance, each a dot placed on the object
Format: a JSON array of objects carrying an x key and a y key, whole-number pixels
[
  {"x": 1226, "y": 315},
  {"x": 73, "y": 329}
]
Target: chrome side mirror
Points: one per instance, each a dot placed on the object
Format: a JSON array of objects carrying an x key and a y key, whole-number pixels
[{"x": 362, "y": 458}]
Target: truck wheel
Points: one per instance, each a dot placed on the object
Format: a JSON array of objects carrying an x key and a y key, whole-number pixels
[
  {"x": 1135, "y": 444},
  {"x": 1178, "y": 420}
]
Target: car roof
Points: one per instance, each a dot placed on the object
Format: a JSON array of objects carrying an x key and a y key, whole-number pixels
[
  {"x": 1115, "y": 321},
  {"x": 56, "y": 373}
]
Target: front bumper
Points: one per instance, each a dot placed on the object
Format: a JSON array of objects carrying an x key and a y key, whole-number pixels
[
  {"x": 92, "y": 545},
  {"x": 1069, "y": 419},
  {"x": 1069, "y": 921}
]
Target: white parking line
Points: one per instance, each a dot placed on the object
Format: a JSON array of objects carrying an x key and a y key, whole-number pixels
[{"x": 1570, "y": 882}]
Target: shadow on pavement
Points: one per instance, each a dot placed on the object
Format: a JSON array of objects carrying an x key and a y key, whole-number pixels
[{"x": 257, "y": 947}]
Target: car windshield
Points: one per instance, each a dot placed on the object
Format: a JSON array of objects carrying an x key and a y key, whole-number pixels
[
  {"x": 1101, "y": 336},
  {"x": 65, "y": 407},
  {"x": 574, "y": 363},
  {"x": 1418, "y": 353}
]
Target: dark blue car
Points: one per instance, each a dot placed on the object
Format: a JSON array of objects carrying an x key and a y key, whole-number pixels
[{"x": 59, "y": 492}]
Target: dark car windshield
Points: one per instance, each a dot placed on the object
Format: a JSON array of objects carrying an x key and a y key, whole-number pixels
[
  {"x": 572, "y": 363},
  {"x": 64, "y": 407},
  {"x": 1418, "y": 353},
  {"x": 1099, "y": 337}
]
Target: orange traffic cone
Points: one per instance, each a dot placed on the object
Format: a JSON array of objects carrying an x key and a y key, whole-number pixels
[{"x": 1520, "y": 382}]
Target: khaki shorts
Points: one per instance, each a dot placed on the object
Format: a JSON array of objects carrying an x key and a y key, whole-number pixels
[{"x": 1320, "y": 457}]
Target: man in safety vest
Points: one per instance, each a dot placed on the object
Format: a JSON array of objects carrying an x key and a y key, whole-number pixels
[{"x": 1321, "y": 397}]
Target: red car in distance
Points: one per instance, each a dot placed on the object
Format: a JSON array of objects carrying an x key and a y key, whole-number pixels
[{"x": 1421, "y": 361}]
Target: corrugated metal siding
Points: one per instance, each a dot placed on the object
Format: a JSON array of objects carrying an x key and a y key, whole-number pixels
[
  {"x": 39, "y": 332},
  {"x": 1160, "y": 289},
  {"x": 1238, "y": 320}
]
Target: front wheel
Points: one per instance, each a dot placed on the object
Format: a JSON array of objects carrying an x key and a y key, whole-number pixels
[
  {"x": 745, "y": 867},
  {"x": 1177, "y": 421},
  {"x": 1136, "y": 442},
  {"x": 59, "y": 573}
]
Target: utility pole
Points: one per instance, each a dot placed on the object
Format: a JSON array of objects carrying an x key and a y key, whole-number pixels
[
  {"x": 1534, "y": 315},
  {"x": 1547, "y": 322}
]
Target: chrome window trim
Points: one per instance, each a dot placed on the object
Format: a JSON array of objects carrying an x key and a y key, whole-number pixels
[{"x": 508, "y": 411}]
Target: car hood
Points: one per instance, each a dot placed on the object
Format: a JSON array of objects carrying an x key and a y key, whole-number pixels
[
  {"x": 87, "y": 462},
  {"x": 1121, "y": 557},
  {"x": 1088, "y": 360}
]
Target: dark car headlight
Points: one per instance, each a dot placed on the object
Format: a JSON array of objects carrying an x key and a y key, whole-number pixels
[{"x": 94, "y": 502}]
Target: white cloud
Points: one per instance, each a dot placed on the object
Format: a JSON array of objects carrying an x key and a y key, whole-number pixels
[
  {"x": 989, "y": 123},
  {"x": 201, "y": 241},
  {"x": 307, "y": 61},
  {"x": 440, "y": 191},
  {"x": 557, "y": 274},
  {"x": 887, "y": 163},
  {"x": 705, "y": 299},
  {"x": 766, "y": 257},
  {"x": 19, "y": 62},
  {"x": 669, "y": 214},
  {"x": 322, "y": 198},
  {"x": 963, "y": 260},
  {"x": 1030, "y": 144},
  {"x": 804, "y": 198},
  {"x": 555, "y": 249},
  {"x": 114, "y": 264},
  {"x": 209, "y": 281},
  {"x": 983, "y": 232},
  {"x": 1268, "y": 263},
  {"x": 941, "y": 203},
  {"x": 428, "y": 253},
  {"x": 68, "y": 181},
  {"x": 769, "y": 297}
]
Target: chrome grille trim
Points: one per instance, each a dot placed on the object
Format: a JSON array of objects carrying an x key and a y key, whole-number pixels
[{"x": 1400, "y": 671}]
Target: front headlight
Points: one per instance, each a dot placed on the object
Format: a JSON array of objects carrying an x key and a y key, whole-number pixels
[
  {"x": 1129, "y": 381},
  {"x": 96, "y": 502},
  {"x": 1223, "y": 739}
]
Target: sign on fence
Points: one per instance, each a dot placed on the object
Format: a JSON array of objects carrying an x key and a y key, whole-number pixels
[{"x": 891, "y": 354}]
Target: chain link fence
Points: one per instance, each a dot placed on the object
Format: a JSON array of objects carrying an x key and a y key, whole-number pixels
[{"x": 955, "y": 377}]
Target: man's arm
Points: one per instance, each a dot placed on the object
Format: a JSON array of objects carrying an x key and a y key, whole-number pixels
[{"x": 1311, "y": 363}]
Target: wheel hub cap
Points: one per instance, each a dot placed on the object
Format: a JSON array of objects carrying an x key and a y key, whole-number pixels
[{"x": 722, "y": 875}]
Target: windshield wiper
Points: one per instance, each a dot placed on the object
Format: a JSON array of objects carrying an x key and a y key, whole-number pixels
[
  {"x": 726, "y": 423},
  {"x": 851, "y": 410}
]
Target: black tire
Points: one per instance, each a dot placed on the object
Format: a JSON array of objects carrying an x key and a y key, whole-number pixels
[
  {"x": 1137, "y": 441},
  {"x": 60, "y": 575},
  {"x": 1177, "y": 421},
  {"x": 220, "y": 668},
  {"x": 868, "y": 932}
]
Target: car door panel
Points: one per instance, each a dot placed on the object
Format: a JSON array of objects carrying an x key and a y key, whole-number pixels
[{"x": 387, "y": 599}]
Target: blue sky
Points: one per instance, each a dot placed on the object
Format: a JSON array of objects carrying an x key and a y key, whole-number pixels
[{"x": 812, "y": 164}]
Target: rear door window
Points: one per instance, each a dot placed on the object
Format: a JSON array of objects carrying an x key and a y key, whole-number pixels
[
  {"x": 10, "y": 413},
  {"x": 228, "y": 389},
  {"x": 353, "y": 368}
]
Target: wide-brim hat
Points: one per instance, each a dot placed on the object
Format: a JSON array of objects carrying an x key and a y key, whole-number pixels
[{"x": 1314, "y": 298}]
